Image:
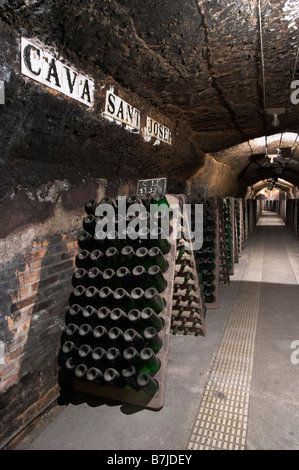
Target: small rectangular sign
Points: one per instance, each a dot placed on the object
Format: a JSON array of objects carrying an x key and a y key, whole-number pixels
[
  {"x": 2, "y": 92},
  {"x": 152, "y": 186}
]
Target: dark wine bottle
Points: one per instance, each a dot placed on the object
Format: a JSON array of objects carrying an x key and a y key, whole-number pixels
[
  {"x": 95, "y": 375},
  {"x": 123, "y": 278},
  {"x": 80, "y": 277},
  {"x": 83, "y": 260},
  {"x": 142, "y": 257},
  {"x": 74, "y": 314},
  {"x": 156, "y": 278},
  {"x": 85, "y": 332},
  {"x": 134, "y": 339},
  {"x": 97, "y": 259},
  {"x": 89, "y": 223},
  {"x": 147, "y": 383},
  {"x": 109, "y": 278},
  {"x": 150, "y": 360},
  {"x": 80, "y": 371},
  {"x": 113, "y": 377},
  {"x": 119, "y": 317},
  {"x": 134, "y": 316},
  {"x": 70, "y": 349},
  {"x": 95, "y": 277},
  {"x": 116, "y": 335},
  {"x": 100, "y": 333},
  {"x": 153, "y": 300},
  {"x": 152, "y": 337},
  {"x": 140, "y": 277},
  {"x": 158, "y": 238},
  {"x": 71, "y": 364},
  {"x": 113, "y": 356},
  {"x": 106, "y": 297},
  {"x": 122, "y": 298},
  {"x": 92, "y": 296},
  {"x": 137, "y": 295},
  {"x": 71, "y": 332},
  {"x": 128, "y": 256},
  {"x": 90, "y": 206},
  {"x": 130, "y": 376},
  {"x": 84, "y": 352},
  {"x": 78, "y": 296},
  {"x": 89, "y": 314},
  {"x": 103, "y": 315},
  {"x": 98, "y": 355},
  {"x": 85, "y": 241},
  {"x": 157, "y": 258},
  {"x": 132, "y": 357},
  {"x": 150, "y": 318}
]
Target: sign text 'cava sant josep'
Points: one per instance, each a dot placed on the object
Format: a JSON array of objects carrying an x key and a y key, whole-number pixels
[
  {"x": 41, "y": 66},
  {"x": 158, "y": 131},
  {"x": 119, "y": 110}
]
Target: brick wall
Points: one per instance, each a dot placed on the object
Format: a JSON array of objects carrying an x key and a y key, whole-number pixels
[{"x": 35, "y": 289}]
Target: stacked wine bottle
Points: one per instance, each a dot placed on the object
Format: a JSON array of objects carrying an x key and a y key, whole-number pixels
[
  {"x": 188, "y": 308},
  {"x": 113, "y": 325},
  {"x": 205, "y": 257},
  {"x": 229, "y": 227}
]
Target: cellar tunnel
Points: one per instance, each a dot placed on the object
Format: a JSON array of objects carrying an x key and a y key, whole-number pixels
[{"x": 97, "y": 96}]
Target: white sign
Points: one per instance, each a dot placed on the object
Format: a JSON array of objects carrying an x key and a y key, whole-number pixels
[
  {"x": 118, "y": 109},
  {"x": 44, "y": 68},
  {"x": 158, "y": 131}
]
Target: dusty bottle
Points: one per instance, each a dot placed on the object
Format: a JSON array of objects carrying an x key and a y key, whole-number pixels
[
  {"x": 113, "y": 356},
  {"x": 152, "y": 337},
  {"x": 89, "y": 223},
  {"x": 83, "y": 260},
  {"x": 90, "y": 206},
  {"x": 150, "y": 360},
  {"x": 97, "y": 259},
  {"x": 147, "y": 383},
  {"x": 153, "y": 300},
  {"x": 106, "y": 297},
  {"x": 109, "y": 278},
  {"x": 70, "y": 348},
  {"x": 134, "y": 339},
  {"x": 80, "y": 371},
  {"x": 150, "y": 318},
  {"x": 85, "y": 241},
  {"x": 156, "y": 278},
  {"x": 140, "y": 277},
  {"x": 74, "y": 314},
  {"x": 130, "y": 375},
  {"x": 122, "y": 298},
  {"x": 132, "y": 357},
  {"x": 157, "y": 258},
  {"x": 137, "y": 295},
  {"x": 113, "y": 377},
  {"x": 98, "y": 355},
  {"x": 80, "y": 277},
  {"x": 84, "y": 352},
  {"x": 95, "y": 375},
  {"x": 95, "y": 277}
]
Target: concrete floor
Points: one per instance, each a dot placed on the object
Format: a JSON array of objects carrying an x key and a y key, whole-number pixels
[{"x": 273, "y": 414}]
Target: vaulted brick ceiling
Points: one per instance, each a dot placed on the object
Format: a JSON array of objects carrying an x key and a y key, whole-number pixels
[{"x": 196, "y": 61}]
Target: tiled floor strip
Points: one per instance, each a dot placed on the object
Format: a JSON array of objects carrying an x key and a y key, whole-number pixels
[{"x": 221, "y": 422}]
